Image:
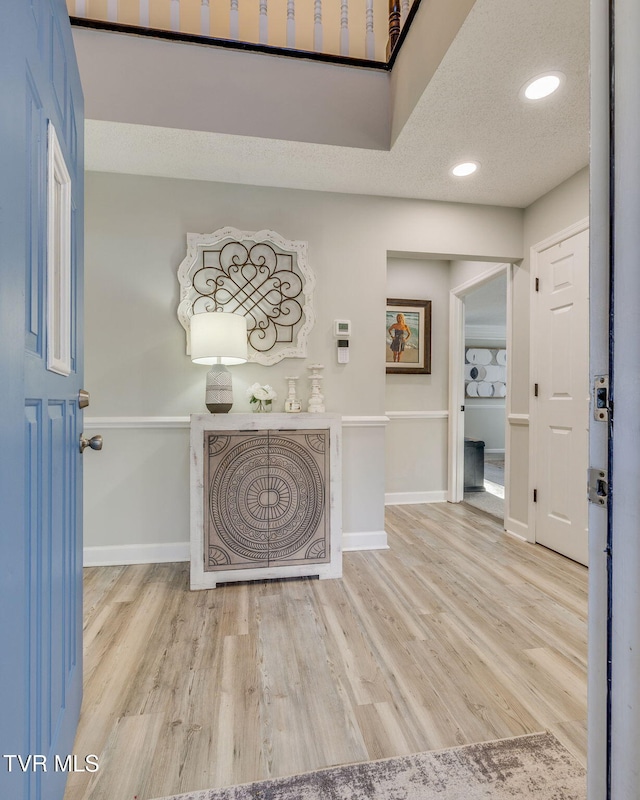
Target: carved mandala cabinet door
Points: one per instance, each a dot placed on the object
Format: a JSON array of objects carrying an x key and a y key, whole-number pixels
[{"x": 265, "y": 497}]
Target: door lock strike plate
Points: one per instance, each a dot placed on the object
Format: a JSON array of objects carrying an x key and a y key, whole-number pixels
[
  {"x": 601, "y": 406},
  {"x": 598, "y": 487}
]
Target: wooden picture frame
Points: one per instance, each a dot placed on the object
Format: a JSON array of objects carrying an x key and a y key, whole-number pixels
[{"x": 408, "y": 354}]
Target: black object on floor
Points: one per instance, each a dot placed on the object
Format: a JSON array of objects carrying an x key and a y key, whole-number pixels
[{"x": 473, "y": 465}]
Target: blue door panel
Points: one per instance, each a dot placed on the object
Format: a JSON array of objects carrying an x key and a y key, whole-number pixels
[
  {"x": 33, "y": 527},
  {"x": 35, "y": 128},
  {"x": 40, "y": 466},
  {"x": 53, "y": 619}
]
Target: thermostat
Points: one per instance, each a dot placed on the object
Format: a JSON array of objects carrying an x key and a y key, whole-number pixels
[
  {"x": 343, "y": 351},
  {"x": 342, "y": 327}
]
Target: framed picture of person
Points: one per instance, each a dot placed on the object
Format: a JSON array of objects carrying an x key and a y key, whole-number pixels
[{"x": 408, "y": 348}]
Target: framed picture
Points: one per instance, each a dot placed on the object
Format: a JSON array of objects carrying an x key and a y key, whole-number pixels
[{"x": 408, "y": 326}]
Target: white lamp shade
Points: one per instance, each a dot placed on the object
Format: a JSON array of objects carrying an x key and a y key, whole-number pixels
[{"x": 218, "y": 338}]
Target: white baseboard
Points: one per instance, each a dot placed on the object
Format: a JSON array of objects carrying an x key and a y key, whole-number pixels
[
  {"x": 518, "y": 529},
  {"x": 364, "y": 540},
  {"x": 501, "y": 451},
  {"x": 411, "y": 498},
  {"x": 114, "y": 555},
  {"x": 515, "y": 535}
]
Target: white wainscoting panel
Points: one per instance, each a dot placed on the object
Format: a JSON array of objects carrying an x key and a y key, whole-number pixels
[
  {"x": 363, "y": 476},
  {"x": 136, "y": 496},
  {"x": 518, "y": 503},
  {"x": 416, "y": 457}
]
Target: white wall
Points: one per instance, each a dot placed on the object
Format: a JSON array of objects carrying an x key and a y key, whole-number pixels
[
  {"x": 558, "y": 209},
  {"x": 136, "y": 367},
  {"x": 464, "y": 271},
  {"x": 417, "y": 405}
]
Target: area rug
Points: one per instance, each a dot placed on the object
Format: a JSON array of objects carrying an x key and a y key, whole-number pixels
[{"x": 535, "y": 766}]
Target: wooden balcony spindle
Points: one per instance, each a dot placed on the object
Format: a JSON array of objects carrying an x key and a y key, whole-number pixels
[
  {"x": 112, "y": 10},
  {"x": 370, "y": 40},
  {"x": 291, "y": 23},
  {"x": 262, "y": 24},
  {"x": 317, "y": 26},
  {"x": 344, "y": 28},
  {"x": 234, "y": 27},
  {"x": 175, "y": 15},
  {"x": 394, "y": 25},
  {"x": 144, "y": 13},
  {"x": 205, "y": 18},
  {"x": 81, "y": 8}
]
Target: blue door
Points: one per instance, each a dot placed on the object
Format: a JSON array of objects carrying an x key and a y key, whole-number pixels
[{"x": 40, "y": 377}]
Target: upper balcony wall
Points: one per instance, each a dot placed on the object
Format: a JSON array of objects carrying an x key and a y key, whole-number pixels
[
  {"x": 215, "y": 18},
  {"x": 148, "y": 81}
]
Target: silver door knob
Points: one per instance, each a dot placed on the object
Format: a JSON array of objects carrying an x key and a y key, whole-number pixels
[{"x": 95, "y": 443}]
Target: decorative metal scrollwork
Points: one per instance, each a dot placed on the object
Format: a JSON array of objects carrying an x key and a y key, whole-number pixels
[{"x": 260, "y": 275}]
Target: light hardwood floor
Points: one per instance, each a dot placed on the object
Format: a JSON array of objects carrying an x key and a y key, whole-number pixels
[{"x": 458, "y": 633}]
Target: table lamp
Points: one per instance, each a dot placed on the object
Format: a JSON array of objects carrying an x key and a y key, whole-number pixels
[{"x": 219, "y": 339}]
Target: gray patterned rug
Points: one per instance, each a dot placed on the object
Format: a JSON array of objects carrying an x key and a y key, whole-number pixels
[{"x": 535, "y": 766}]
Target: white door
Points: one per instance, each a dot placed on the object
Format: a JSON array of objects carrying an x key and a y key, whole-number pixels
[{"x": 561, "y": 373}]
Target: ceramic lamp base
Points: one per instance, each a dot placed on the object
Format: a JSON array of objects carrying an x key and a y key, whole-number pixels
[{"x": 219, "y": 392}]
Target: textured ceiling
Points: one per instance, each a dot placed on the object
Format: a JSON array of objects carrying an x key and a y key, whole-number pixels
[{"x": 469, "y": 111}]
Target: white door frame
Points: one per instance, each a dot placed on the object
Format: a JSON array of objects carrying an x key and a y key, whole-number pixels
[
  {"x": 456, "y": 373},
  {"x": 535, "y": 252},
  {"x": 600, "y": 258}
]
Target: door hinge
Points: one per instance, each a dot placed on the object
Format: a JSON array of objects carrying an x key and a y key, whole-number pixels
[
  {"x": 598, "y": 486},
  {"x": 535, "y": 495},
  {"x": 601, "y": 400},
  {"x": 537, "y": 284},
  {"x": 535, "y": 389}
]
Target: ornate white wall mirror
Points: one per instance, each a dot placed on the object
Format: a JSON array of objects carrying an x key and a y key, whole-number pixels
[{"x": 262, "y": 276}]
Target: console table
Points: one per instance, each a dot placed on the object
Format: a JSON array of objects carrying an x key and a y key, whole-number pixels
[{"x": 265, "y": 497}]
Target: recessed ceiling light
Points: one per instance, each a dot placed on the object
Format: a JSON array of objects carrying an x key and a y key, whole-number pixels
[
  {"x": 542, "y": 86},
  {"x": 464, "y": 169}
]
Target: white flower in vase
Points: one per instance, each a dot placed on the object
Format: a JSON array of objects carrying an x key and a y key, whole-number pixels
[{"x": 261, "y": 397}]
